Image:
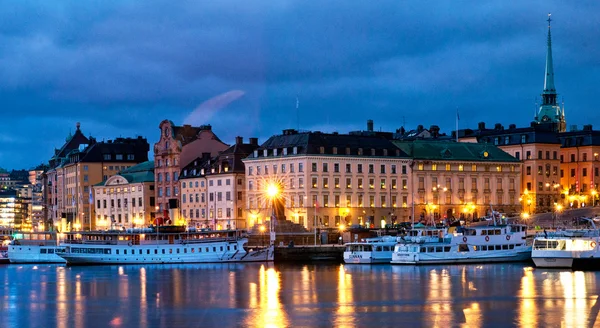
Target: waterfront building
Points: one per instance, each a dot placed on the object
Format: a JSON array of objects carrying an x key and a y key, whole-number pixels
[
  {"x": 460, "y": 180},
  {"x": 79, "y": 164},
  {"x": 36, "y": 210},
  {"x": 176, "y": 148},
  {"x": 126, "y": 199},
  {"x": 328, "y": 180},
  {"x": 213, "y": 189},
  {"x": 13, "y": 210}
]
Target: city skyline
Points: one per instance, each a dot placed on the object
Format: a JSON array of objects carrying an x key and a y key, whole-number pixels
[{"x": 129, "y": 67}]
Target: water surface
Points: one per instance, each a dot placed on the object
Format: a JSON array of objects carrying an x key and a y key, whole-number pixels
[{"x": 272, "y": 295}]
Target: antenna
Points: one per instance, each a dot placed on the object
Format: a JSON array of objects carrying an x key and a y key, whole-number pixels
[{"x": 297, "y": 113}]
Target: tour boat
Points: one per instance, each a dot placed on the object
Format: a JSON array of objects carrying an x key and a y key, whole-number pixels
[
  {"x": 572, "y": 248},
  {"x": 380, "y": 249},
  {"x": 481, "y": 244},
  {"x": 162, "y": 245},
  {"x": 34, "y": 247}
]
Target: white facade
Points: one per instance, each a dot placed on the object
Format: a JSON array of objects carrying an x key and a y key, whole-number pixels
[{"x": 120, "y": 204}]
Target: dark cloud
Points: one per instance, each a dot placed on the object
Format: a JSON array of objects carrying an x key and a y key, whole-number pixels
[{"x": 121, "y": 67}]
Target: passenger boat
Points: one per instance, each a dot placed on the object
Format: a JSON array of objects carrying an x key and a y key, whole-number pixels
[
  {"x": 34, "y": 247},
  {"x": 370, "y": 250},
  {"x": 157, "y": 246},
  {"x": 380, "y": 249},
  {"x": 481, "y": 244},
  {"x": 6, "y": 235},
  {"x": 573, "y": 248}
]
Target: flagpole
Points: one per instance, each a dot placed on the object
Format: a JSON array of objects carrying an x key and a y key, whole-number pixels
[{"x": 457, "y": 118}]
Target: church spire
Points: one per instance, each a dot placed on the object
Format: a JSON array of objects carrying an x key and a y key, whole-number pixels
[{"x": 549, "y": 93}]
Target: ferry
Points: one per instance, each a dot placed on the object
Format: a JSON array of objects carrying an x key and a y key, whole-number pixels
[
  {"x": 481, "y": 244},
  {"x": 571, "y": 248},
  {"x": 160, "y": 245},
  {"x": 380, "y": 249},
  {"x": 34, "y": 247}
]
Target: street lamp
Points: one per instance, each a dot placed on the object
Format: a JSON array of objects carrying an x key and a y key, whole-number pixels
[{"x": 273, "y": 192}]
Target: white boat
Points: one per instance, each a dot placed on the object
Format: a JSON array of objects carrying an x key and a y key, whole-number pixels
[
  {"x": 370, "y": 250},
  {"x": 573, "y": 248},
  {"x": 481, "y": 244},
  {"x": 34, "y": 247},
  {"x": 380, "y": 249},
  {"x": 158, "y": 246}
]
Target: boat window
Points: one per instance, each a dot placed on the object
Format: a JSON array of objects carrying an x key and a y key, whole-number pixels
[
  {"x": 194, "y": 248},
  {"x": 221, "y": 248},
  {"x": 483, "y": 232},
  {"x": 378, "y": 248},
  {"x": 423, "y": 249},
  {"x": 504, "y": 246},
  {"x": 185, "y": 250},
  {"x": 125, "y": 252},
  {"x": 117, "y": 252},
  {"x": 475, "y": 247},
  {"x": 235, "y": 247},
  {"x": 439, "y": 249},
  {"x": 484, "y": 248},
  {"x": 430, "y": 249},
  {"x": 214, "y": 249},
  {"x": 446, "y": 248},
  {"x": 51, "y": 251},
  {"x": 140, "y": 252},
  {"x": 43, "y": 250},
  {"x": 498, "y": 231},
  {"x": 463, "y": 248},
  {"x": 498, "y": 247}
]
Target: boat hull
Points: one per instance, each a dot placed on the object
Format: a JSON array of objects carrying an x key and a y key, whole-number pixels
[
  {"x": 173, "y": 254},
  {"x": 32, "y": 254},
  {"x": 417, "y": 259},
  {"x": 367, "y": 257}
]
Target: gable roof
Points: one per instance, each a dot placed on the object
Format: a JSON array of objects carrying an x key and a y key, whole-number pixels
[{"x": 454, "y": 151}]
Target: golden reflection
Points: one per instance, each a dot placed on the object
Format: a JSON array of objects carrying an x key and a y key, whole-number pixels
[
  {"x": 575, "y": 296},
  {"x": 79, "y": 309},
  {"x": 345, "y": 311},
  {"x": 62, "y": 311},
  {"x": 143, "y": 299},
  {"x": 439, "y": 299},
  {"x": 528, "y": 312},
  {"x": 473, "y": 315},
  {"x": 270, "y": 312}
]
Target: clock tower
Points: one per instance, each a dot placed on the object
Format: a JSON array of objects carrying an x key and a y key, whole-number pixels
[{"x": 550, "y": 112}]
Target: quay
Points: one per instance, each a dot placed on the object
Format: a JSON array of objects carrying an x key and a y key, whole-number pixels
[{"x": 310, "y": 253}]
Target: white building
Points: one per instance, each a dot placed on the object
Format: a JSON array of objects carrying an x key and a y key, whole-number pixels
[{"x": 127, "y": 199}]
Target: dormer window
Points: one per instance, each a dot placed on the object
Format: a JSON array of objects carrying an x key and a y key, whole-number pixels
[
  {"x": 385, "y": 152},
  {"x": 295, "y": 150},
  {"x": 360, "y": 151},
  {"x": 372, "y": 152},
  {"x": 334, "y": 150},
  {"x": 201, "y": 172},
  {"x": 285, "y": 151},
  {"x": 275, "y": 152},
  {"x": 347, "y": 150},
  {"x": 256, "y": 153},
  {"x": 322, "y": 150},
  {"x": 265, "y": 153}
]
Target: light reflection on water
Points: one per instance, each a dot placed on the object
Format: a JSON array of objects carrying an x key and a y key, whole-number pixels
[{"x": 268, "y": 295}]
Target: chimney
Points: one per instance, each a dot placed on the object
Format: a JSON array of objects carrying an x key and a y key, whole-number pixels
[
  {"x": 512, "y": 126},
  {"x": 498, "y": 126},
  {"x": 239, "y": 140},
  {"x": 481, "y": 126},
  {"x": 254, "y": 141},
  {"x": 370, "y": 125}
]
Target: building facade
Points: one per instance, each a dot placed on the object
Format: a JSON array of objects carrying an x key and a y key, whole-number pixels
[
  {"x": 81, "y": 163},
  {"x": 213, "y": 189},
  {"x": 327, "y": 180},
  {"x": 460, "y": 180},
  {"x": 126, "y": 199},
  {"x": 13, "y": 211},
  {"x": 176, "y": 148}
]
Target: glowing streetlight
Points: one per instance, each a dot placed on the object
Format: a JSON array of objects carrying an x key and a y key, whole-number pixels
[{"x": 273, "y": 192}]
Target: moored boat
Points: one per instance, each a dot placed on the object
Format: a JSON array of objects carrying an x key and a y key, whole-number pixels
[
  {"x": 155, "y": 246},
  {"x": 34, "y": 247},
  {"x": 572, "y": 248},
  {"x": 481, "y": 244},
  {"x": 371, "y": 250}
]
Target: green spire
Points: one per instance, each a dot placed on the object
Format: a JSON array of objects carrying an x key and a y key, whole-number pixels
[{"x": 549, "y": 93}]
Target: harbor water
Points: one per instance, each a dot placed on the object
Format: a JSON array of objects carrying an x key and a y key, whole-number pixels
[{"x": 276, "y": 295}]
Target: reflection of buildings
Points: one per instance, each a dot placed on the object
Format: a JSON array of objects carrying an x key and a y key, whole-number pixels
[
  {"x": 126, "y": 199},
  {"x": 77, "y": 166},
  {"x": 558, "y": 166},
  {"x": 213, "y": 189}
]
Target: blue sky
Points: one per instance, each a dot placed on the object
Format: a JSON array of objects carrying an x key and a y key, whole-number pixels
[{"x": 120, "y": 67}]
